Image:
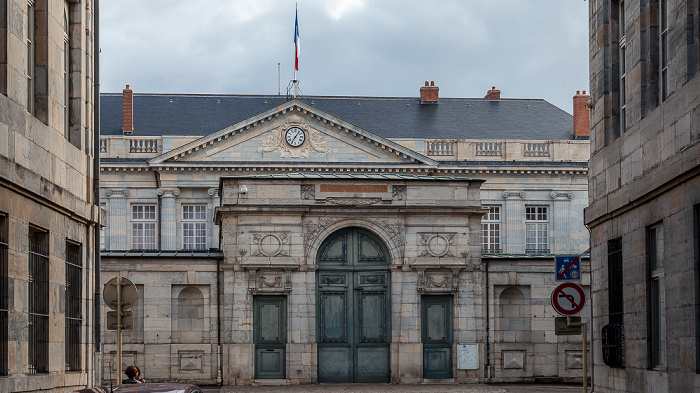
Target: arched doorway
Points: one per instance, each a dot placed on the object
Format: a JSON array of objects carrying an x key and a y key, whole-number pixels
[{"x": 353, "y": 308}]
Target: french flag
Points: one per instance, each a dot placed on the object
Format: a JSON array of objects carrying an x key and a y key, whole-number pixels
[{"x": 296, "y": 42}]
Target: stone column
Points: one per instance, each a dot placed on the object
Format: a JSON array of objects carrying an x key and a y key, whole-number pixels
[
  {"x": 514, "y": 237},
  {"x": 117, "y": 218},
  {"x": 168, "y": 216},
  {"x": 214, "y": 229},
  {"x": 560, "y": 222}
]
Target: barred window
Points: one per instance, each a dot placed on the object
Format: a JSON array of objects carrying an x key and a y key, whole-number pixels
[
  {"x": 31, "y": 55},
  {"x": 536, "y": 229},
  {"x": 143, "y": 227},
  {"x": 615, "y": 299},
  {"x": 38, "y": 354},
  {"x": 74, "y": 295},
  {"x": 658, "y": 296},
  {"x": 4, "y": 295},
  {"x": 194, "y": 227},
  {"x": 622, "y": 70},
  {"x": 663, "y": 48},
  {"x": 491, "y": 230}
]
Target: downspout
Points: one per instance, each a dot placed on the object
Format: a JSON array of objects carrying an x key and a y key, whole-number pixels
[
  {"x": 96, "y": 190},
  {"x": 219, "y": 369},
  {"x": 488, "y": 319}
]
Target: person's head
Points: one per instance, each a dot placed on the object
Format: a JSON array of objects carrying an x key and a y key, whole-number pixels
[
  {"x": 131, "y": 371},
  {"x": 138, "y": 371}
]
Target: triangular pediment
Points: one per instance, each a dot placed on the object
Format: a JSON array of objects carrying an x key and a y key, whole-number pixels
[{"x": 289, "y": 134}]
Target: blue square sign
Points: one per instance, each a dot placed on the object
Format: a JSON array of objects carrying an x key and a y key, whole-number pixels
[{"x": 568, "y": 267}]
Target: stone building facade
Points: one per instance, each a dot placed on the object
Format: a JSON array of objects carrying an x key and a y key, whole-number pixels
[
  {"x": 644, "y": 195},
  {"x": 48, "y": 212},
  {"x": 341, "y": 225}
]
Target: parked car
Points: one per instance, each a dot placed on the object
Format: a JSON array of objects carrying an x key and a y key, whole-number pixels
[{"x": 144, "y": 388}]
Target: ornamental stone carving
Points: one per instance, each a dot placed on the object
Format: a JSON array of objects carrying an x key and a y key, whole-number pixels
[
  {"x": 562, "y": 194},
  {"x": 117, "y": 192},
  {"x": 276, "y": 143},
  {"x": 213, "y": 192},
  {"x": 436, "y": 244},
  {"x": 308, "y": 191},
  {"x": 397, "y": 233},
  {"x": 519, "y": 194},
  {"x": 271, "y": 244},
  {"x": 353, "y": 201},
  {"x": 312, "y": 229},
  {"x": 169, "y": 191},
  {"x": 398, "y": 192}
]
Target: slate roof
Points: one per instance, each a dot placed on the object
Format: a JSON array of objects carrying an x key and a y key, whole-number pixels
[{"x": 389, "y": 117}]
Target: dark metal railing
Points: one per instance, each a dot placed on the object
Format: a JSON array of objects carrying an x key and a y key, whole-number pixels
[
  {"x": 74, "y": 295},
  {"x": 38, "y": 361},
  {"x": 4, "y": 298}
]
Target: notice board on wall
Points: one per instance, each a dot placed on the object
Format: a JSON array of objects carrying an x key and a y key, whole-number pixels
[{"x": 468, "y": 356}]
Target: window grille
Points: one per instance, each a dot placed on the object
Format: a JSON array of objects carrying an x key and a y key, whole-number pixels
[
  {"x": 536, "y": 230},
  {"x": 143, "y": 227},
  {"x": 615, "y": 298},
  {"x": 4, "y": 296},
  {"x": 491, "y": 230},
  {"x": 663, "y": 48},
  {"x": 38, "y": 281},
  {"x": 658, "y": 296},
  {"x": 194, "y": 227},
  {"x": 74, "y": 295},
  {"x": 614, "y": 345}
]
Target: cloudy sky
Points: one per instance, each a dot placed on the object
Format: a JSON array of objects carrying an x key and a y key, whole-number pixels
[{"x": 526, "y": 48}]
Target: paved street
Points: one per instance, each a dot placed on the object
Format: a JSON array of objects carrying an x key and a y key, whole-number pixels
[{"x": 385, "y": 388}]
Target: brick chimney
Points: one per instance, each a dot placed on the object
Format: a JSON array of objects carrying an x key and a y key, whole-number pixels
[
  {"x": 128, "y": 111},
  {"x": 582, "y": 122},
  {"x": 493, "y": 94},
  {"x": 429, "y": 93}
]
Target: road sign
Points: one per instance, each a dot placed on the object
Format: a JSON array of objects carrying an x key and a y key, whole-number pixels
[
  {"x": 568, "y": 267},
  {"x": 561, "y": 328},
  {"x": 568, "y": 298},
  {"x": 128, "y": 295},
  {"x": 127, "y": 320}
]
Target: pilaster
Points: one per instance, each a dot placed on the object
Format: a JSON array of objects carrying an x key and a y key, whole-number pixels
[
  {"x": 168, "y": 216},
  {"x": 214, "y": 229},
  {"x": 514, "y": 237},
  {"x": 118, "y": 218},
  {"x": 560, "y": 221}
]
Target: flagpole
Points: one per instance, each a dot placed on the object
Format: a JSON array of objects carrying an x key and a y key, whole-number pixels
[{"x": 296, "y": 31}]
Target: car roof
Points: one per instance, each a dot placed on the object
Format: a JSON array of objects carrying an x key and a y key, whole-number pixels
[{"x": 144, "y": 388}]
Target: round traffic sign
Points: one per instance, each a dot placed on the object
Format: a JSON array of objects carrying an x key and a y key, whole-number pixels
[
  {"x": 568, "y": 298},
  {"x": 128, "y": 295}
]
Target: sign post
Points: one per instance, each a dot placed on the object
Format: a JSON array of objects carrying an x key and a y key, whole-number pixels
[
  {"x": 119, "y": 294},
  {"x": 568, "y": 299}
]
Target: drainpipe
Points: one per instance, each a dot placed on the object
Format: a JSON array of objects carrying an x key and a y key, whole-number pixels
[
  {"x": 219, "y": 370},
  {"x": 488, "y": 318},
  {"x": 96, "y": 190}
]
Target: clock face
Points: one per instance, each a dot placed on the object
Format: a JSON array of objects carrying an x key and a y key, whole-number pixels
[{"x": 295, "y": 136}]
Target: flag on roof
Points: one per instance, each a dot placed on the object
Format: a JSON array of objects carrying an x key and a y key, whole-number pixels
[{"x": 296, "y": 42}]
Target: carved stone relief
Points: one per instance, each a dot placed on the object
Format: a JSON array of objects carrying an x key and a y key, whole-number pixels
[
  {"x": 519, "y": 194},
  {"x": 398, "y": 192},
  {"x": 308, "y": 192},
  {"x": 313, "y": 144},
  {"x": 270, "y": 244},
  {"x": 436, "y": 244}
]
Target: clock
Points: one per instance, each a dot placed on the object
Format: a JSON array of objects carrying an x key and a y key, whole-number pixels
[{"x": 295, "y": 136}]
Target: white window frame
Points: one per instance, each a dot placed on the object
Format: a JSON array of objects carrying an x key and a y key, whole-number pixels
[
  {"x": 194, "y": 227},
  {"x": 143, "y": 226},
  {"x": 537, "y": 229},
  {"x": 491, "y": 230},
  {"x": 658, "y": 296}
]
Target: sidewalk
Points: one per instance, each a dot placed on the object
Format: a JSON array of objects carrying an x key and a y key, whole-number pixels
[{"x": 387, "y": 388}]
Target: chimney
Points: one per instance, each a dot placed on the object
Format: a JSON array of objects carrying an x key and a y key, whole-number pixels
[
  {"x": 493, "y": 94},
  {"x": 128, "y": 111},
  {"x": 582, "y": 121},
  {"x": 429, "y": 93}
]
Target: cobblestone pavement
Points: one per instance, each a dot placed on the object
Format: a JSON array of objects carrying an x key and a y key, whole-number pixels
[{"x": 386, "y": 388}]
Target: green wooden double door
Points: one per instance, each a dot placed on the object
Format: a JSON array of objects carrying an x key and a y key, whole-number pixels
[{"x": 353, "y": 308}]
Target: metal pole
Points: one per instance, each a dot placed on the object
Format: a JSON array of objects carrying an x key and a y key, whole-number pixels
[{"x": 119, "y": 330}]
